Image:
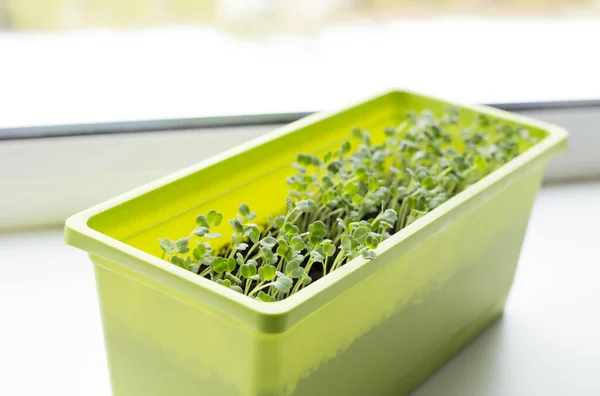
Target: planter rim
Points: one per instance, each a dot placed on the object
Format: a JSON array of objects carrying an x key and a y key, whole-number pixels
[{"x": 276, "y": 317}]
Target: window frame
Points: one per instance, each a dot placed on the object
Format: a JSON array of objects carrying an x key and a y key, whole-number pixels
[{"x": 50, "y": 172}]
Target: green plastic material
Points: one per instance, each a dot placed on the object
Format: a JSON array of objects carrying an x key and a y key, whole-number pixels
[{"x": 369, "y": 328}]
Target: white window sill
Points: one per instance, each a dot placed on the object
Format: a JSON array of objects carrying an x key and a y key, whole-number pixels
[
  {"x": 546, "y": 343},
  {"x": 43, "y": 181}
]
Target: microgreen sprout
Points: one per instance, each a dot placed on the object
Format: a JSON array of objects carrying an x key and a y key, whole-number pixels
[{"x": 343, "y": 204}]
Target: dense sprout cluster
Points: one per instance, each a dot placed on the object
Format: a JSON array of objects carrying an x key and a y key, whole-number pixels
[{"x": 342, "y": 205}]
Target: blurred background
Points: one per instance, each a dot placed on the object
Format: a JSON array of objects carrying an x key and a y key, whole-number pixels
[
  {"x": 262, "y": 15},
  {"x": 78, "y": 61}
]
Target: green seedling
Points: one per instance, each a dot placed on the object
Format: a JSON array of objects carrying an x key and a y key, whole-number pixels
[{"x": 343, "y": 204}]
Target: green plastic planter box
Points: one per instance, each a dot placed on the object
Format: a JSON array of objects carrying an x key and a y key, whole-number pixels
[{"x": 369, "y": 328}]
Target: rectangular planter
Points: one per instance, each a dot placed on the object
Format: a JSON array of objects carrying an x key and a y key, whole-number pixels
[{"x": 369, "y": 328}]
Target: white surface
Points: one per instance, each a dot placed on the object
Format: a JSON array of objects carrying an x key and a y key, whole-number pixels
[
  {"x": 43, "y": 181},
  {"x": 546, "y": 344},
  {"x": 177, "y": 72}
]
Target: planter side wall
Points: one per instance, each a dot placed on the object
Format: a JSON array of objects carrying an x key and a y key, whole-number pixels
[{"x": 425, "y": 299}]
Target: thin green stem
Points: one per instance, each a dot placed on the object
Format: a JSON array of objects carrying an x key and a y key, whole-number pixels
[
  {"x": 338, "y": 260},
  {"x": 247, "y": 287},
  {"x": 444, "y": 173},
  {"x": 260, "y": 287},
  {"x": 334, "y": 212},
  {"x": 306, "y": 271},
  {"x": 251, "y": 250}
]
